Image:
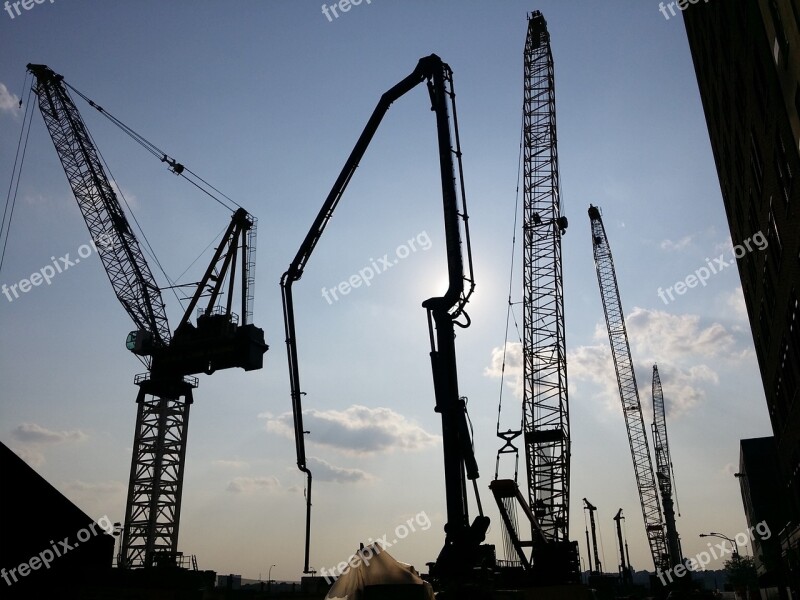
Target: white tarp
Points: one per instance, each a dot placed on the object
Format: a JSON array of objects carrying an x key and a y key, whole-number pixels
[{"x": 374, "y": 566}]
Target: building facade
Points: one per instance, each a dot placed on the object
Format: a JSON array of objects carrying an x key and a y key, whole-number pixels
[{"x": 746, "y": 55}]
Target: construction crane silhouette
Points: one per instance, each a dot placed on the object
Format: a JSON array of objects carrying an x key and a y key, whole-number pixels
[
  {"x": 625, "y": 573},
  {"x": 664, "y": 471},
  {"x": 628, "y": 391},
  {"x": 217, "y": 340},
  {"x": 461, "y": 553},
  {"x": 597, "y": 567},
  {"x": 545, "y": 409}
]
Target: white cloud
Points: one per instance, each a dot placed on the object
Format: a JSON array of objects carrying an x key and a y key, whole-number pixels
[
  {"x": 108, "y": 487},
  {"x": 246, "y": 485},
  {"x": 357, "y": 429},
  {"x": 667, "y": 336},
  {"x": 594, "y": 365},
  {"x": 31, "y": 456},
  {"x": 681, "y": 346},
  {"x": 735, "y": 303},
  {"x": 513, "y": 372},
  {"x": 322, "y": 470},
  {"x": 229, "y": 464},
  {"x": 31, "y": 433},
  {"x": 8, "y": 101},
  {"x": 676, "y": 246}
]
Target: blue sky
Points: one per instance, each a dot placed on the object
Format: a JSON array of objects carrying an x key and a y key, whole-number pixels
[{"x": 265, "y": 100}]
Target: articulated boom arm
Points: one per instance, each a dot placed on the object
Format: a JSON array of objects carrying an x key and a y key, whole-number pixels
[
  {"x": 441, "y": 311},
  {"x": 116, "y": 244},
  {"x": 628, "y": 391}
]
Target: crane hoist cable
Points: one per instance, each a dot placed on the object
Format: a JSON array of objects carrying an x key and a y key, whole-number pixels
[
  {"x": 175, "y": 166},
  {"x": 149, "y": 248},
  {"x": 16, "y": 173},
  {"x": 510, "y": 308}
]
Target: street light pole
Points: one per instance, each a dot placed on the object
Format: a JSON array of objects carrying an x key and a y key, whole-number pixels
[
  {"x": 724, "y": 537},
  {"x": 269, "y": 579}
]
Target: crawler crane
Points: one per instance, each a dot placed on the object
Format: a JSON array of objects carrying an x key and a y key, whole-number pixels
[
  {"x": 628, "y": 391},
  {"x": 664, "y": 471}
]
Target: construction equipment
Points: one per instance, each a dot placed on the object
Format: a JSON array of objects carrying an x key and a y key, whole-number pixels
[
  {"x": 216, "y": 341},
  {"x": 545, "y": 418},
  {"x": 598, "y": 566},
  {"x": 460, "y": 553},
  {"x": 628, "y": 391},
  {"x": 626, "y": 576},
  {"x": 664, "y": 471}
]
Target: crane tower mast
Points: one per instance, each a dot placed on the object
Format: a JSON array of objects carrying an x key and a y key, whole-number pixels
[{"x": 628, "y": 391}]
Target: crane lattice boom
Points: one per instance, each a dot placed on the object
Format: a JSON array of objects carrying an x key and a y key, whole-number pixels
[
  {"x": 628, "y": 391},
  {"x": 545, "y": 406},
  {"x": 119, "y": 250},
  {"x": 664, "y": 472}
]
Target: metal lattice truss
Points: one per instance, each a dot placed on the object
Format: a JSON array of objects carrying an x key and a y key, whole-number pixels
[
  {"x": 628, "y": 391},
  {"x": 660, "y": 444},
  {"x": 152, "y": 514},
  {"x": 545, "y": 405},
  {"x": 664, "y": 471},
  {"x": 112, "y": 237}
]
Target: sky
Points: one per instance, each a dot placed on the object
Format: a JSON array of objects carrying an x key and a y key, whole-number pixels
[{"x": 265, "y": 100}]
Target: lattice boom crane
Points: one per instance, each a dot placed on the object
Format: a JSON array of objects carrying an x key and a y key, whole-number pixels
[
  {"x": 628, "y": 391},
  {"x": 664, "y": 471}
]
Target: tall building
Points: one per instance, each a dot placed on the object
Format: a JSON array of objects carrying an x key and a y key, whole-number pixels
[
  {"x": 764, "y": 506},
  {"x": 746, "y": 57}
]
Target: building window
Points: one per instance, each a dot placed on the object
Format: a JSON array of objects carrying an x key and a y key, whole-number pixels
[
  {"x": 760, "y": 91},
  {"x": 769, "y": 291},
  {"x": 756, "y": 165},
  {"x": 775, "y": 246},
  {"x": 783, "y": 168},
  {"x": 737, "y": 207},
  {"x": 793, "y": 322},
  {"x": 795, "y": 14},
  {"x": 764, "y": 332},
  {"x": 780, "y": 49}
]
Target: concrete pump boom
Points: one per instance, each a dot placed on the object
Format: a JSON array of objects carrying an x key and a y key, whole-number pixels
[{"x": 462, "y": 539}]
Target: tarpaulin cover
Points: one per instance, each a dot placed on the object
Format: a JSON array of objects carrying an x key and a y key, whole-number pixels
[{"x": 373, "y": 566}]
